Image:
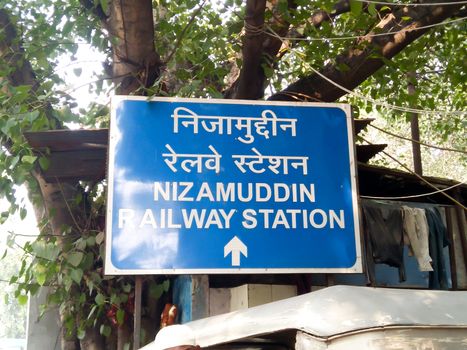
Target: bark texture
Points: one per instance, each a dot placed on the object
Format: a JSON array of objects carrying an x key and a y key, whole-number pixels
[{"x": 135, "y": 62}]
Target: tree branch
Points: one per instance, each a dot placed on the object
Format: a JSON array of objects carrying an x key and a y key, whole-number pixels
[
  {"x": 251, "y": 84},
  {"x": 362, "y": 63}
]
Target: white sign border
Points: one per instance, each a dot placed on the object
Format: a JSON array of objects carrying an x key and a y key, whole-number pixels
[{"x": 110, "y": 269}]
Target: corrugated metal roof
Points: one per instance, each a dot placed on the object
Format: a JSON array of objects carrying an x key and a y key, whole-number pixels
[{"x": 329, "y": 312}]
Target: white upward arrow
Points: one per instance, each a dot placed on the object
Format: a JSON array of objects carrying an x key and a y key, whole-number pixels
[{"x": 235, "y": 247}]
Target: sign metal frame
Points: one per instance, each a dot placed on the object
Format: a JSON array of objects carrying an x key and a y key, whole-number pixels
[{"x": 111, "y": 269}]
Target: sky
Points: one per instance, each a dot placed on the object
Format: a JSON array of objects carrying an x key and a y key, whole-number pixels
[
  {"x": 79, "y": 72},
  {"x": 27, "y": 227}
]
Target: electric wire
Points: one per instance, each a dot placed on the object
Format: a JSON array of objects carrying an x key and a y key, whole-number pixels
[
  {"x": 368, "y": 99},
  {"x": 419, "y": 142},
  {"x": 272, "y": 33},
  {"x": 382, "y": 103},
  {"x": 420, "y": 177},
  {"x": 412, "y": 3}
]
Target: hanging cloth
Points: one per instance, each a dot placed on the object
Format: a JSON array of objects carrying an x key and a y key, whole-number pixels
[
  {"x": 416, "y": 236},
  {"x": 383, "y": 226},
  {"x": 437, "y": 241}
]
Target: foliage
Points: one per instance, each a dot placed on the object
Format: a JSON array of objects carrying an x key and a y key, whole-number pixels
[{"x": 200, "y": 46}]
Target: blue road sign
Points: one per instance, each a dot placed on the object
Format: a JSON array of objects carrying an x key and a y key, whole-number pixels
[{"x": 226, "y": 186}]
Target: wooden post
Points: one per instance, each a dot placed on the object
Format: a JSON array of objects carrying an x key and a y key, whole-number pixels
[
  {"x": 415, "y": 131},
  {"x": 191, "y": 296},
  {"x": 137, "y": 313}
]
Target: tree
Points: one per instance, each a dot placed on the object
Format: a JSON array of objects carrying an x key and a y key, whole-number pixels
[
  {"x": 357, "y": 51},
  {"x": 13, "y": 311}
]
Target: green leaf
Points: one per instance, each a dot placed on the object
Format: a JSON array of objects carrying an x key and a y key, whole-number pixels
[
  {"x": 14, "y": 161},
  {"x": 22, "y": 299},
  {"x": 40, "y": 278},
  {"x": 91, "y": 241},
  {"x": 372, "y": 9},
  {"x": 166, "y": 285},
  {"x": 100, "y": 237},
  {"x": 81, "y": 333},
  {"x": 44, "y": 162},
  {"x": 67, "y": 27},
  {"x": 22, "y": 213},
  {"x": 120, "y": 316},
  {"x": 105, "y": 330},
  {"x": 75, "y": 258},
  {"x": 93, "y": 310},
  {"x": 77, "y": 71},
  {"x": 100, "y": 299},
  {"x": 76, "y": 275},
  {"x": 268, "y": 71},
  {"x": 156, "y": 290},
  {"x": 104, "y": 5},
  {"x": 28, "y": 159},
  {"x": 78, "y": 198},
  {"x": 356, "y": 7},
  {"x": 45, "y": 250},
  {"x": 127, "y": 288}
]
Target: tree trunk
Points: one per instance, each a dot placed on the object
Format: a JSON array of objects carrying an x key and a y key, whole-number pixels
[{"x": 136, "y": 64}]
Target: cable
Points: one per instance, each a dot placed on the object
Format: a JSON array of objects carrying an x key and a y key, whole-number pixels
[
  {"x": 368, "y": 99},
  {"x": 272, "y": 33},
  {"x": 413, "y": 4},
  {"x": 420, "y": 177},
  {"x": 385, "y": 104},
  {"x": 417, "y": 195},
  {"x": 419, "y": 142}
]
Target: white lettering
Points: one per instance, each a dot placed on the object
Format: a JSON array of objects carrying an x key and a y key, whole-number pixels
[
  {"x": 165, "y": 193},
  {"x": 188, "y": 219},
  {"x": 148, "y": 219},
  {"x": 213, "y": 219},
  {"x": 125, "y": 215},
  {"x": 280, "y": 219},
  {"x": 227, "y": 217},
  {"x": 225, "y": 193},
  {"x": 277, "y": 193},
  {"x": 205, "y": 192},
  {"x": 266, "y": 213},
  {"x": 170, "y": 223},
  {"x": 182, "y": 197},
  {"x": 324, "y": 218},
  {"x": 267, "y": 195},
  {"x": 340, "y": 220},
  {"x": 304, "y": 192},
  {"x": 250, "y": 221}
]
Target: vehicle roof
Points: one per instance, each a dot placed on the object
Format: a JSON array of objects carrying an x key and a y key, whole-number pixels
[{"x": 333, "y": 311}]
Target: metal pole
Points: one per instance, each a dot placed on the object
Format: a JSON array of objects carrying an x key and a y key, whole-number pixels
[{"x": 137, "y": 313}]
